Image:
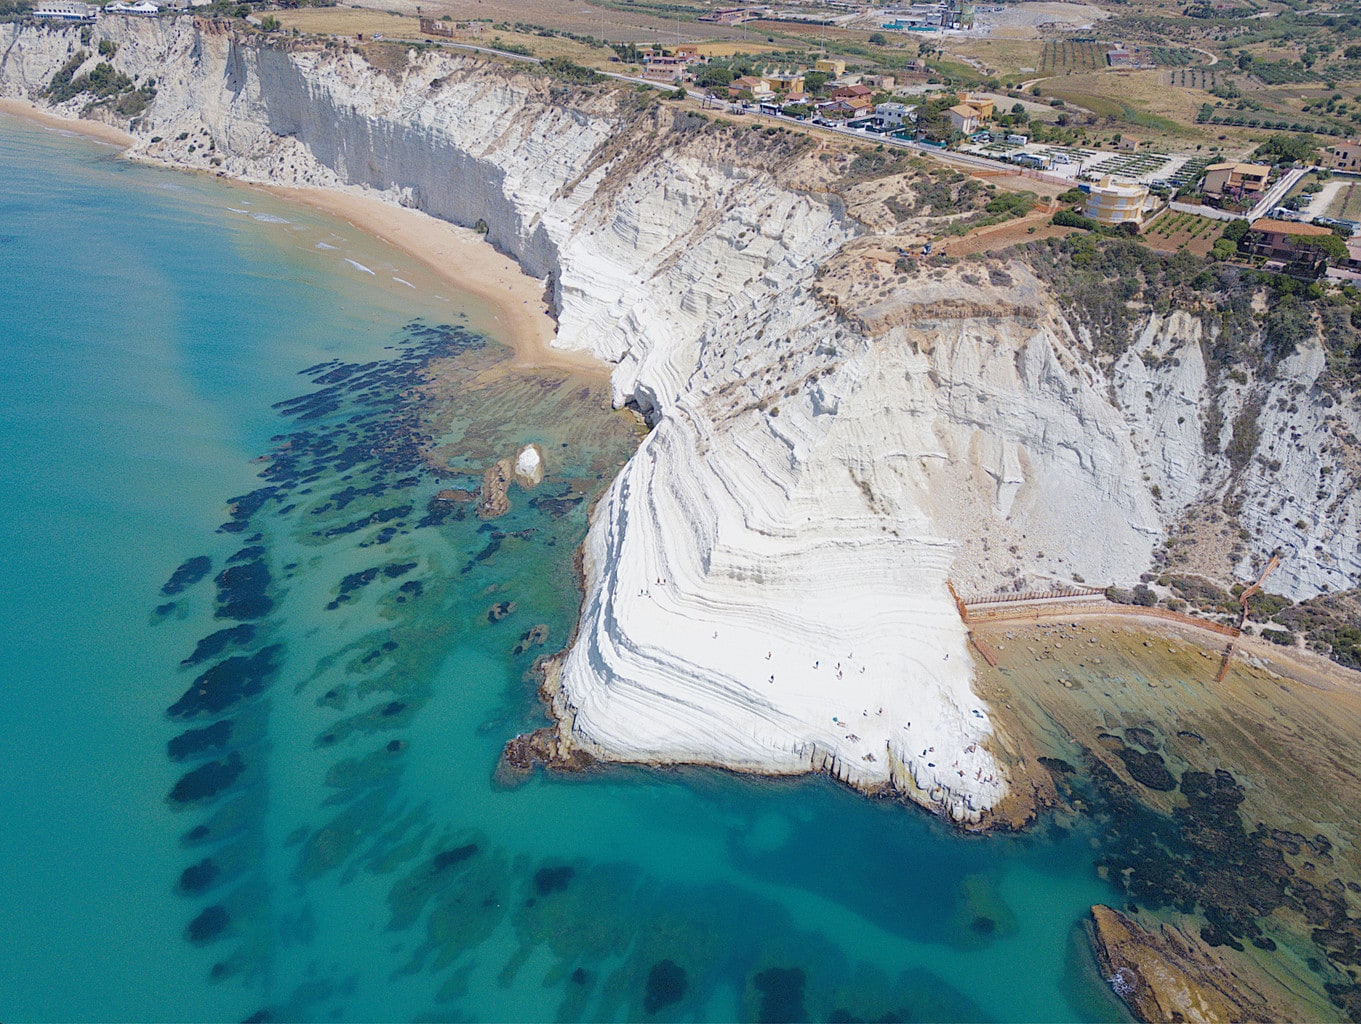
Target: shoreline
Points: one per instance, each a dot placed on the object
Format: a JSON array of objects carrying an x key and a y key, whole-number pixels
[
  {"x": 517, "y": 300},
  {"x": 97, "y": 130},
  {"x": 446, "y": 249}
]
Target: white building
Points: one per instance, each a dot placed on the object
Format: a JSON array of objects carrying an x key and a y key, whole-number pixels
[
  {"x": 143, "y": 7},
  {"x": 895, "y": 115},
  {"x": 64, "y": 10},
  {"x": 1116, "y": 202}
]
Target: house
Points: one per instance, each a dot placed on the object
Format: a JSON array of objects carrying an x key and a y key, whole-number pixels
[
  {"x": 780, "y": 82},
  {"x": 749, "y": 84},
  {"x": 1280, "y": 239},
  {"x": 982, "y": 104},
  {"x": 852, "y": 92},
  {"x": 835, "y": 68},
  {"x": 1119, "y": 58},
  {"x": 64, "y": 10},
  {"x": 838, "y": 110},
  {"x": 895, "y": 115},
  {"x": 964, "y": 118},
  {"x": 1344, "y": 156},
  {"x": 882, "y": 82},
  {"x": 1237, "y": 181},
  {"x": 1127, "y": 144},
  {"x": 1114, "y": 202}
]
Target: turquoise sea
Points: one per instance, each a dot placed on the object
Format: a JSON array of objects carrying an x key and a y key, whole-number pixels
[{"x": 252, "y": 707}]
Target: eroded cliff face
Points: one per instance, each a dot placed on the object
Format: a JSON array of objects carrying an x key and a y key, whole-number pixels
[{"x": 766, "y": 578}]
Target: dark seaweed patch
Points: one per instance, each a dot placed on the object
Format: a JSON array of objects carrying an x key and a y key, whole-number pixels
[
  {"x": 550, "y": 880},
  {"x": 1148, "y": 769},
  {"x": 781, "y": 991},
  {"x": 214, "y": 644},
  {"x": 207, "y": 780},
  {"x": 197, "y": 741},
  {"x": 1057, "y": 765},
  {"x": 241, "y": 592},
  {"x": 189, "y": 572},
  {"x": 209, "y": 925},
  {"x": 226, "y": 683},
  {"x": 448, "y": 858},
  {"x": 666, "y": 985},
  {"x": 243, "y": 506},
  {"x": 198, "y": 877}
]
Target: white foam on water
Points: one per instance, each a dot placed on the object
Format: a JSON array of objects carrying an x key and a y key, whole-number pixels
[
  {"x": 358, "y": 266},
  {"x": 324, "y": 245},
  {"x": 407, "y": 283},
  {"x": 269, "y": 218}
]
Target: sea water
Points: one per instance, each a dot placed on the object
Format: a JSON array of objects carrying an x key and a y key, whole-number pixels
[{"x": 260, "y": 660}]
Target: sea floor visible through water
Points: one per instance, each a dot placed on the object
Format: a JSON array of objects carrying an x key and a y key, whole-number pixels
[{"x": 260, "y": 670}]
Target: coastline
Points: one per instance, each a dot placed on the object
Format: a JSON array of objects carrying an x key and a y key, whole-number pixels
[
  {"x": 527, "y": 327},
  {"x": 449, "y": 250},
  {"x": 92, "y": 129}
]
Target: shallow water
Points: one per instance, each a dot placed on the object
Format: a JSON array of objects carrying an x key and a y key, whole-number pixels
[{"x": 360, "y": 860}]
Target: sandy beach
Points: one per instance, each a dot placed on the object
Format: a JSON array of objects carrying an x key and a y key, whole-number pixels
[
  {"x": 447, "y": 249},
  {"x": 450, "y": 251},
  {"x": 94, "y": 129}
]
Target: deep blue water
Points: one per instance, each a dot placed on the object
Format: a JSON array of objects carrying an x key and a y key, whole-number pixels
[{"x": 352, "y": 851}]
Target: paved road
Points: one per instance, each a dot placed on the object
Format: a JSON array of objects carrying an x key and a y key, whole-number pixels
[{"x": 1277, "y": 192}]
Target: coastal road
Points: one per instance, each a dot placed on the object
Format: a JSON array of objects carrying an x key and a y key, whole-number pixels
[{"x": 944, "y": 156}]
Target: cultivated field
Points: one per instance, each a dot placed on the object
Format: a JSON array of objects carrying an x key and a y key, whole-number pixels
[{"x": 1174, "y": 232}]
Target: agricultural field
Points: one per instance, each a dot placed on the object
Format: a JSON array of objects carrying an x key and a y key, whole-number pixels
[
  {"x": 1130, "y": 98},
  {"x": 1189, "y": 173},
  {"x": 1132, "y": 166},
  {"x": 1070, "y": 56},
  {"x": 1182, "y": 232},
  {"x": 1194, "y": 78},
  {"x": 1346, "y": 205}
]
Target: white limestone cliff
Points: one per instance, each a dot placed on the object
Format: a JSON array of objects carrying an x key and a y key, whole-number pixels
[{"x": 766, "y": 578}]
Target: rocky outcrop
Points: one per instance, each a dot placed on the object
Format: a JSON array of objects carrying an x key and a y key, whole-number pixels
[
  {"x": 766, "y": 578},
  {"x": 1169, "y": 975}
]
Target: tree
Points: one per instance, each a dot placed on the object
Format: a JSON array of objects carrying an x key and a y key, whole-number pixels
[
  {"x": 1235, "y": 231},
  {"x": 1223, "y": 249},
  {"x": 1330, "y": 245},
  {"x": 815, "y": 82},
  {"x": 713, "y": 75},
  {"x": 878, "y": 39},
  {"x": 1297, "y": 148}
]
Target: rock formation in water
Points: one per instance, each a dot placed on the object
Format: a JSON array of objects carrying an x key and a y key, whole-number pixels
[{"x": 831, "y": 439}]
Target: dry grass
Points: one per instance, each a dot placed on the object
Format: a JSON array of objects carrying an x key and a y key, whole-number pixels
[
  {"x": 729, "y": 47},
  {"x": 578, "y": 17},
  {"x": 349, "y": 22},
  {"x": 341, "y": 21},
  {"x": 1139, "y": 99},
  {"x": 1002, "y": 57}
]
